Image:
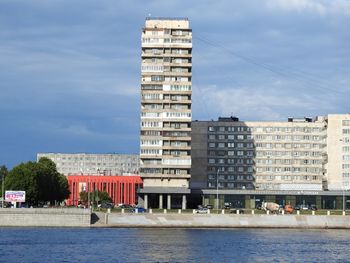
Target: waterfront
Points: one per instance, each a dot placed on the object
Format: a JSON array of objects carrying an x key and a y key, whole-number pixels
[{"x": 173, "y": 245}]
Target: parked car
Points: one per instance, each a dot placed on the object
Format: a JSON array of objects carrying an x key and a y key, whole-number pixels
[
  {"x": 227, "y": 205},
  {"x": 138, "y": 210},
  {"x": 313, "y": 207},
  {"x": 106, "y": 205},
  {"x": 202, "y": 210},
  {"x": 125, "y": 206},
  {"x": 301, "y": 207},
  {"x": 288, "y": 209}
]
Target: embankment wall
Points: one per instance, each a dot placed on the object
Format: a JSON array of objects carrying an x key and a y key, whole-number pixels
[
  {"x": 226, "y": 221},
  {"x": 45, "y": 217}
]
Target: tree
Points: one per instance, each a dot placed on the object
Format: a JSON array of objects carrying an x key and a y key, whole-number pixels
[
  {"x": 95, "y": 196},
  {"x": 23, "y": 178},
  {"x": 40, "y": 180}
]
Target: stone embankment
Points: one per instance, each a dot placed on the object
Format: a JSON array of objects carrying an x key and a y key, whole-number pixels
[
  {"x": 224, "y": 221},
  {"x": 45, "y": 217}
]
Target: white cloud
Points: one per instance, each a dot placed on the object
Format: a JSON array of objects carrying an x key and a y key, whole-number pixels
[
  {"x": 315, "y": 6},
  {"x": 251, "y": 103}
]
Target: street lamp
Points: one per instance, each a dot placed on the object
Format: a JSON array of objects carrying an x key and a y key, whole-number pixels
[
  {"x": 88, "y": 188},
  {"x": 217, "y": 190},
  {"x": 3, "y": 189}
]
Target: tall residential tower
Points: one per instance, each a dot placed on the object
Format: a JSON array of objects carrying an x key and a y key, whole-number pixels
[{"x": 165, "y": 139}]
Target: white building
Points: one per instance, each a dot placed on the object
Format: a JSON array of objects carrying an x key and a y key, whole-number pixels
[
  {"x": 338, "y": 152},
  {"x": 166, "y": 89},
  {"x": 94, "y": 164}
]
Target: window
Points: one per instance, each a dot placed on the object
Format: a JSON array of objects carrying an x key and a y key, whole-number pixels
[{"x": 230, "y": 145}]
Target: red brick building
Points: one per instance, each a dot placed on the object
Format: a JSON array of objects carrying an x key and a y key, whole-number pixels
[{"x": 122, "y": 189}]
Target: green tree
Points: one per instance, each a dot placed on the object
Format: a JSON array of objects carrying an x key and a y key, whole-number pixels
[
  {"x": 95, "y": 196},
  {"x": 40, "y": 180},
  {"x": 23, "y": 178}
]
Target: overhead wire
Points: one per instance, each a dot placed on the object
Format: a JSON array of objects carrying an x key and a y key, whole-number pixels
[{"x": 302, "y": 77}]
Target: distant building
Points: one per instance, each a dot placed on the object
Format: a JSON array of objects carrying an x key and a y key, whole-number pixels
[
  {"x": 337, "y": 176},
  {"x": 258, "y": 155},
  {"x": 166, "y": 90},
  {"x": 121, "y": 189},
  {"x": 300, "y": 161},
  {"x": 94, "y": 164}
]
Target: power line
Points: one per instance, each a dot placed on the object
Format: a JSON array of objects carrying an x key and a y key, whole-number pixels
[{"x": 298, "y": 76}]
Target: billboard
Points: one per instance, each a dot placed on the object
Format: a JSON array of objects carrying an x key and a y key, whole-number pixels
[{"x": 15, "y": 196}]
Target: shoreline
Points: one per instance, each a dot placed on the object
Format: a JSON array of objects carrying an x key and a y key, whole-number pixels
[{"x": 84, "y": 218}]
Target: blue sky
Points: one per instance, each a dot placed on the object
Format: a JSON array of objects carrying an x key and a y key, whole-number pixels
[{"x": 70, "y": 70}]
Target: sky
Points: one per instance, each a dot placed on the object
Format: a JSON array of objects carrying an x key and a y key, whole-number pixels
[{"x": 70, "y": 70}]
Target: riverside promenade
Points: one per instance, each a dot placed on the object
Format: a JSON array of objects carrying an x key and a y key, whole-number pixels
[
  {"x": 221, "y": 220},
  {"x": 76, "y": 217}
]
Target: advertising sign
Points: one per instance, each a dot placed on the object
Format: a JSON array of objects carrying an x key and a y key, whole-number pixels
[{"x": 15, "y": 196}]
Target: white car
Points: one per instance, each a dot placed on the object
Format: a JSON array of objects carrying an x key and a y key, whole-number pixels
[{"x": 202, "y": 211}]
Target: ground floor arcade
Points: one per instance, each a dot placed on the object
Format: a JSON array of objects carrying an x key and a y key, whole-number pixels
[
  {"x": 163, "y": 198},
  {"x": 250, "y": 199}
]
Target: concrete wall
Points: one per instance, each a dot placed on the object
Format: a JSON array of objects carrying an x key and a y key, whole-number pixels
[
  {"x": 45, "y": 217},
  {"x": 227, "y": 220}
]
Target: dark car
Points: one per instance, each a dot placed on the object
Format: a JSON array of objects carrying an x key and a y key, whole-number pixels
[
  {"x": 313, "y": 207},
  {"x": 106, "y": 205}
]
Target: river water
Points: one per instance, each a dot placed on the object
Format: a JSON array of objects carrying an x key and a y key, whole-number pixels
[{"x": 173, "y": 245}]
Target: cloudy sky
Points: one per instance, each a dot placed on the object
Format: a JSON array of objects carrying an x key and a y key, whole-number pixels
[{"x": 70, "y": 70}]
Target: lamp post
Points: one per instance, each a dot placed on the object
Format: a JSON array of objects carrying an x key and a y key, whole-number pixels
[
  {"x": 3, "y": 189},
  {"x": 217, "y": 190},
  {"x": 343, "y": 199},
  {"x": 88, "y": 188}
]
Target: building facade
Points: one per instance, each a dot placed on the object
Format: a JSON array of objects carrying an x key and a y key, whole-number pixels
[
  {"x": 338, "y": 152},
  {"x": 121, "y": 189},
  {"x": 166, "y": 90},
  {"x": 300, "y": 161},
  {"x": 94, "y": 164}
]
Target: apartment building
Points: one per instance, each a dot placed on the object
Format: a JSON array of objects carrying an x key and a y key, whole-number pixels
[
  {"x": 338, "y": 152},
  {"x": 94, "y": 164},
  {"x": 260, "y": 155},
  {"x": 166, "y": 90},
  {"x": 299, "y": 161}
]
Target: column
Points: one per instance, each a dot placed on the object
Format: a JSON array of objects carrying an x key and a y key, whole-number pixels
[
  {"x": 145, "y": 205},
  {"x": 160, "y": 201},
  {"x": 169, "y": 201},
  {"x": 184, "y": 202}
]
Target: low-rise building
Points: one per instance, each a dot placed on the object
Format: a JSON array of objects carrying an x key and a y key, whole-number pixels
[{"x": 94, "y": 164}]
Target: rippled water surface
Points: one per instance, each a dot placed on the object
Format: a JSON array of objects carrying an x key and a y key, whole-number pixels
[{"x": 173, "y": 245}]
